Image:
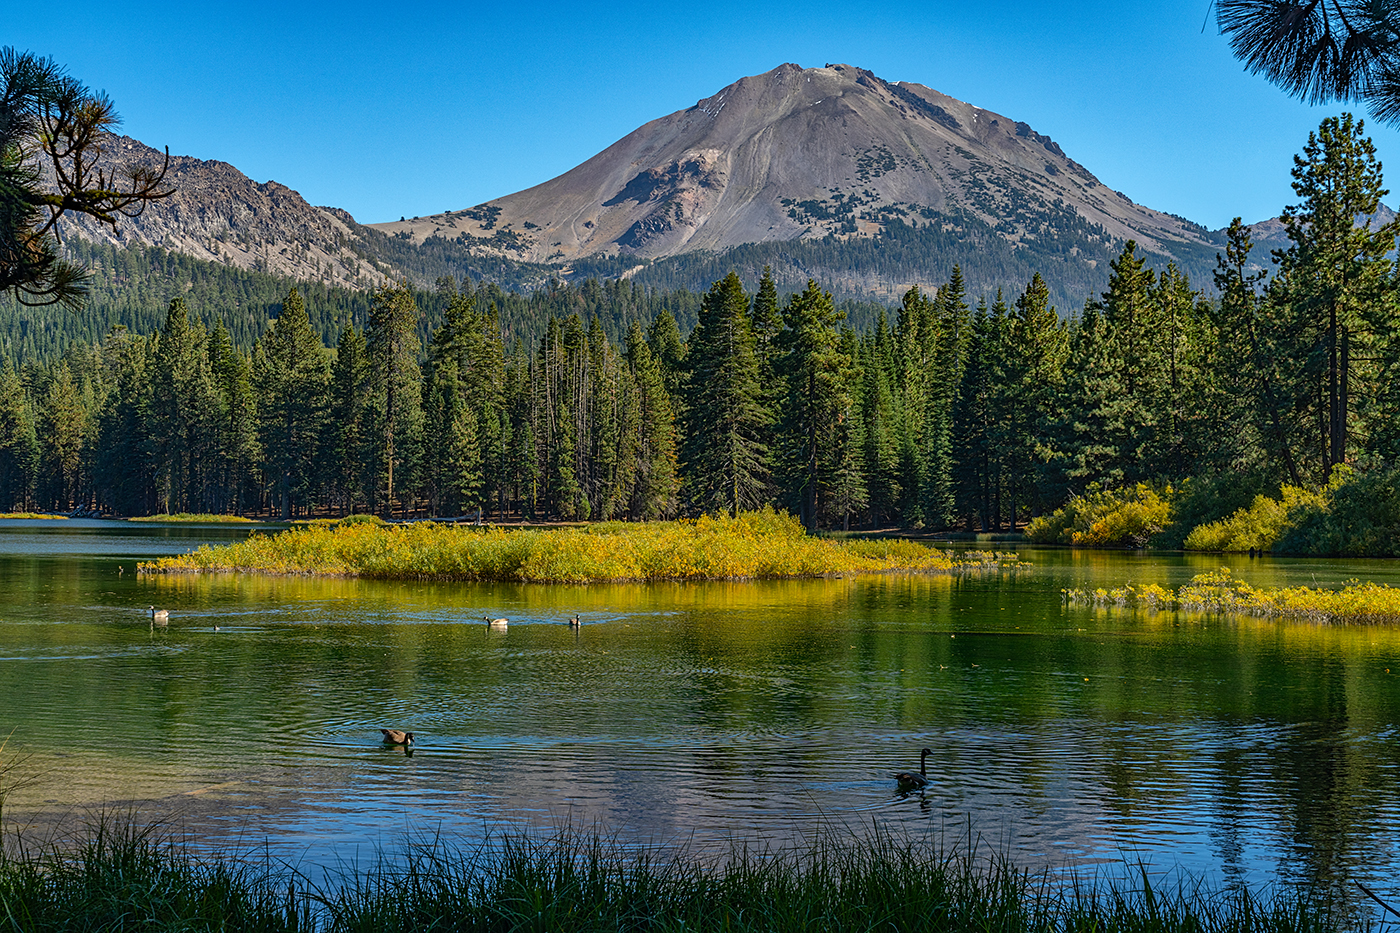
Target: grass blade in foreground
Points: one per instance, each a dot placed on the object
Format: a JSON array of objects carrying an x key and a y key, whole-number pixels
[{"x": 118, "y": 878}]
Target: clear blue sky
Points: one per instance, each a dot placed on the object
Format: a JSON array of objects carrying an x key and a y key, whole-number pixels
[{"x": 415, "y": 108}]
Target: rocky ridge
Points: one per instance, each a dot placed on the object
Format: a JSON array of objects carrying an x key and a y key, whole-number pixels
[{"x": 220, "y": 215}]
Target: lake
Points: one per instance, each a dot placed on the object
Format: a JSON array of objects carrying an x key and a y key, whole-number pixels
[{"x": 702, "y": 714}]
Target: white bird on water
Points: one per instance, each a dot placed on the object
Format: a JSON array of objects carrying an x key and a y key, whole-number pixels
[{"x": 159, "y": 616}]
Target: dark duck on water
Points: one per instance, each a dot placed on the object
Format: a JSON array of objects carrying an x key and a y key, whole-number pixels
[{"x": 910, "y": 781}]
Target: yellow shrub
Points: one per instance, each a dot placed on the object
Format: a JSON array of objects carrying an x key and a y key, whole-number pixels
[
  {"x": 1106, "y": 518},
  {"x": 1219, "y": 592},
  {"x": 756, "y": 544},
  {"x": 1258, "y": 526}
]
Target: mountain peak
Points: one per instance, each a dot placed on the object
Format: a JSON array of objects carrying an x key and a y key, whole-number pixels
[{"x": 803, "y": 153}]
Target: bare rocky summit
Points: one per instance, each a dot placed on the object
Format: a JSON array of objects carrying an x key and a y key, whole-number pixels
[{"x": 801, "y": 153}]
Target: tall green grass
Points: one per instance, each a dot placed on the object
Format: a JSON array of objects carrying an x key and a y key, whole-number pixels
[
  {"x": 763, "y": 544},
  {"x": 131, "y": 879}
]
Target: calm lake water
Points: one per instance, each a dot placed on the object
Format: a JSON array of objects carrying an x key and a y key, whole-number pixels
[{"x": 1243, "y": 750}]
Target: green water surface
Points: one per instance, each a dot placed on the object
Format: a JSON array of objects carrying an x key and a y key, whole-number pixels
[{"x": 703, "y": 713}]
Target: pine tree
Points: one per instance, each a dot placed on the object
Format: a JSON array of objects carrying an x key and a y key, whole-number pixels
[
  {"x": 1334, "y": 289},
  {"x": 916, "y": 340},
  {"x": 727, "y": 457},
  {"x": 522, "y": 467},
  {"x": 395, "y": 414},
  {"x": 1243, "y": 369},
  {"x": 564, "y": 489},
  {"x": 604, "y": 421},
  {"x": 1085, "y": 439},
  {"x": 1113, "y": 383},
  {"x": 1032, "y": 379},
  {"x": 236, "y": 430},
  {"x": 292, "y": 375},
  {"x": 950, "y": 339},
  {"x": 664, "y": 340},
  {"x": 450, "y": 426},
  {"x": 846, "y": 489},
  {"x": 767, "y": 323},
  {"x": 880, "y": 429},
  {"x": 654, "y": 488},
  {"x": 182, "y": 403},
  {"x": 814, "y": 371},
  {"x": 19, "y": 446},
  {"x": 1184, "y": 434},
  {"x": 62, "y": 432},
  {"x": 346, "y": 441},
  {"x": 124, "y": 472},
  {"x": 973, "y": 423}
]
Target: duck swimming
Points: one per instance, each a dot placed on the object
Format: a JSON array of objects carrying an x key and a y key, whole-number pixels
[{"x": 910, "y": 781}]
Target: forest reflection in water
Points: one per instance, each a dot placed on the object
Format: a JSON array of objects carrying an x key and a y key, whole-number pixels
[{"x": 1252, "y": 749}]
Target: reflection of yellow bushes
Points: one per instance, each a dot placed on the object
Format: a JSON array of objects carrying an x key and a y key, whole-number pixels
[
  {"x": 756, "y": 544},
  {"x": 1219, "y": 592}
]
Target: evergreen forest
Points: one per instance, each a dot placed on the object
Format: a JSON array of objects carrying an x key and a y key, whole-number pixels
[{"x": 235, "y": 392}]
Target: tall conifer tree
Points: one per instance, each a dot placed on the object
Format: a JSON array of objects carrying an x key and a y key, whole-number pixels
[
  {"x": 727, "y": 455},
  {"x": 395, "y": 398},
  {"x": 292, "y": 374}
]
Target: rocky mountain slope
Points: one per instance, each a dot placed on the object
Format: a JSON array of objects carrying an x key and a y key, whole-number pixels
[
  {"x": 803, "y": 153},
  {"x": 866, "y": 185},
  {"x": 220, "y": 215}
]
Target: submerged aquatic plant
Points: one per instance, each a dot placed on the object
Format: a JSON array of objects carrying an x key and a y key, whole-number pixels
[{"x": 762, "y": 544}]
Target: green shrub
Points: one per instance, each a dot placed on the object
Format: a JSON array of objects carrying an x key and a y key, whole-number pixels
[
  {"x": 1106, "y": 518},
  {"x": 361, "y": 518},
  {"x": 1259, "y": 526},
  {"x": 1205, "y": 499},
  {"x": 1354, "y": 515},
  {"x": 1359, "y": 516}
]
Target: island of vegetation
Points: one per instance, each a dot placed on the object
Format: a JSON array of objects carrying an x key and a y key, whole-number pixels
[
  {"x": 1218, "y": 591},
  {"x": 203, "y": 518},
  {"x": 754, "y": 545}
]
